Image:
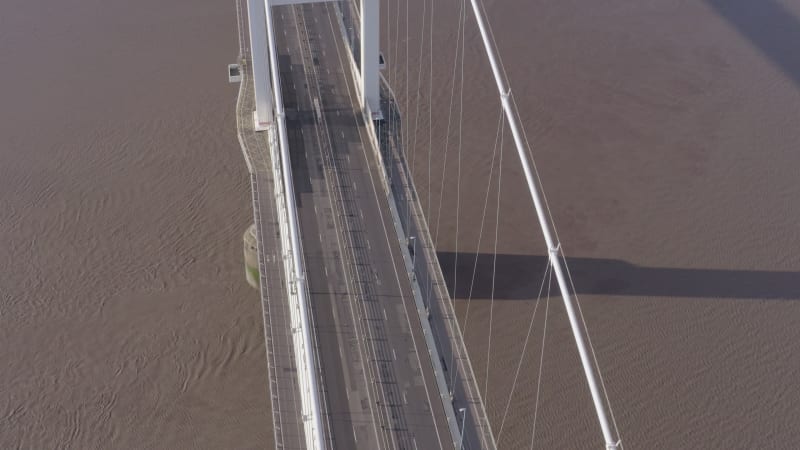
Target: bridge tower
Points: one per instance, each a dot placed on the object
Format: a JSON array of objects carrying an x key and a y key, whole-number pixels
[
  {"x": 256, "y": 15},
  {"x": 370, "y": 55}
]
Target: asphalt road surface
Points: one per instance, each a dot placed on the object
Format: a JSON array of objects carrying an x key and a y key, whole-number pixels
[{"x": 378, "y": 385}]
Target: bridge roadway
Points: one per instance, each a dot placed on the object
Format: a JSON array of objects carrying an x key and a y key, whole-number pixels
[
  {"x": 378, "y": 384},
  {"x": 287, "y": 426}
]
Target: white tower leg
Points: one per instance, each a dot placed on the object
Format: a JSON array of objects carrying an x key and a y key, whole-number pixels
[
  {"x": 259, "y": 56},
  {"x": 370, "y": 40}
]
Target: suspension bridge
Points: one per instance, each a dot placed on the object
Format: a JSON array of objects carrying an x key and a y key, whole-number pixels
[{"x": 363, "y": 344}]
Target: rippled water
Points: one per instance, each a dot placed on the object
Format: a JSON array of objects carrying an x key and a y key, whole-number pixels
[
  {"x": 125, "y": 321},
  {"x": 666, "y": 136}
]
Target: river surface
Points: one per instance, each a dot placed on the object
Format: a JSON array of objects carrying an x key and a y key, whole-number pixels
[
  {"x": 666, "y": 135},
  {"x": 125, "y": 321}
]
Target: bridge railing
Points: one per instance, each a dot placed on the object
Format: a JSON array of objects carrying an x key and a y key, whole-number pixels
[
  {"x": 466, "y": 412},
  {"x": 295, "y": 264}
]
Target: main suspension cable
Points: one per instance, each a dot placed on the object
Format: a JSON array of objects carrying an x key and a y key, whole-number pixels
[
  {"x": 563, "y": 257},
  {"x": 553, "y": 247}
]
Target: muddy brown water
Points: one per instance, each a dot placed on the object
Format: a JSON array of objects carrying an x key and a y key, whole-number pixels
[
  {"x": 125, "y": 321},
  {"x": 665, "y": 134}
]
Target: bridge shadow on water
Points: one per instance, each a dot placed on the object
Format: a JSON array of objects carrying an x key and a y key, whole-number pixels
[
  {"x": 519, "y": 277},
  {"x": 769, "y": 26}
]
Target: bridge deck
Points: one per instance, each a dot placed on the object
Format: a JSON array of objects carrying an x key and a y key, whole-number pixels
[
  {"x": 378, "y": 385},
  {"x": 379, "y": 388}
]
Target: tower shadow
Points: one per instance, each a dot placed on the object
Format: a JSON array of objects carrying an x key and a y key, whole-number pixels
[
  {"x": 769, "y": 26},
  {"x": 519, "y": 277}
]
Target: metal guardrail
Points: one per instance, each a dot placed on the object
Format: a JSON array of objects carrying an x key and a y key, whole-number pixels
[{"x": 307, "y": 371}]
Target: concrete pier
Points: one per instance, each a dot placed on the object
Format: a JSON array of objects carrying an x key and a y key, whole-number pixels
[{"x": 251, "y": 257}]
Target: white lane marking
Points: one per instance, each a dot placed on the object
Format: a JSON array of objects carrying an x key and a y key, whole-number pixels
[
  {"x": 317, "y": 109},
  {"x": 360, "y": 313},
  {"x": 386, "y": 234},
  {"x": 394, "y": 355}
]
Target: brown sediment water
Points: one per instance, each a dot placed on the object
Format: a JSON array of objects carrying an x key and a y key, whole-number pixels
[
  {"x": 665, "y": 134},
  {"x": 125, "y": 318}
]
